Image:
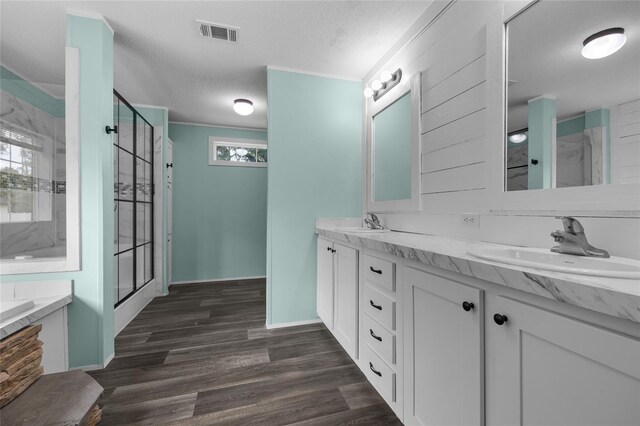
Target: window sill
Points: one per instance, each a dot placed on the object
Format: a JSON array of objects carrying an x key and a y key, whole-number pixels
[
  {"x": 235, "y": 164},
  {"x": 33, "y": 266}
]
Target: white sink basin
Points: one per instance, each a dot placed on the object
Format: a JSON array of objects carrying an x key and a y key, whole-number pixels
[
  {"x": 614, "y": 267},
  {"x": 11, "y": 308},
  {"x": 360, "y": 229}
]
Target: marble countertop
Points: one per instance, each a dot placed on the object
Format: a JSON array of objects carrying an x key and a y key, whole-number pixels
[
  {"x": 611, "y": 296},
  {"x": 52, "y": 296}
]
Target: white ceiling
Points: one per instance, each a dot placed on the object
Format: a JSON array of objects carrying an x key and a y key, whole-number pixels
[
  {"x": 544, "y": 57},
  {"x": 161, "y": 59}
]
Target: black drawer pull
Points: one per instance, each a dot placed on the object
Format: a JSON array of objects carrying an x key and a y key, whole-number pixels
[
  {"x": 378, "y": 338},
  {"x": 328, "y": 248},
  {"x": 375, "y": 271},
  {"x": 374, "y": 370},
  {"x": 378, "y": 307}
]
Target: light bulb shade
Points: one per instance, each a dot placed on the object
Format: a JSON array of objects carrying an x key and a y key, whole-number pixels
[
  {"x": 368, "y": 92},
  {"x": 386, "y": 76},
  {"x": 376, "y": 85},
  {"x": 518, "y": 138},
  {"x": 243, "y": 106},
  {"x": 603, "y": 43}
]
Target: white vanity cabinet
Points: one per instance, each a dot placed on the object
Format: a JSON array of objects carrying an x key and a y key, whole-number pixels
[
  {"x": 53, "y": 335},
  {"x": 337, "y": 292},
  {"x": 381, "y": 328},
  {"x": 443, "y": 350},
  {"x": 545, "y": 368}
]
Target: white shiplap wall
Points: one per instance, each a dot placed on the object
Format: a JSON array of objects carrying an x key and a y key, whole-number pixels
[
  {"x": 625, "y": 149},
  {"x": 457, "y": 47}
]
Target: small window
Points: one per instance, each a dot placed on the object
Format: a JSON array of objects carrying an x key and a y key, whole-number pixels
[
  {"x": 237, "y": 152},
  {"x": 19, "y": 152}
]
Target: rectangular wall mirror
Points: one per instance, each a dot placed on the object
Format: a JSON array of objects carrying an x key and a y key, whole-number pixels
[
  {"x": 39, "y": 164},
  {"x": 573, "y": 121},
  {"x": 393, "y": 145}
]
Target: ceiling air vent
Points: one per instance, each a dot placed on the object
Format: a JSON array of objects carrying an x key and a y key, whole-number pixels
[{"x": 219, "y": 32}]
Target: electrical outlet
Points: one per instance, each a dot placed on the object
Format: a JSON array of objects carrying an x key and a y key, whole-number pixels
[{"x": 471, "y": 220}]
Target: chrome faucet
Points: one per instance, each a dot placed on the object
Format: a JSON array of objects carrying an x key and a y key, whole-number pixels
[
  {"x": 371, "y": 221},
  {"x": 573, "y": 241}
]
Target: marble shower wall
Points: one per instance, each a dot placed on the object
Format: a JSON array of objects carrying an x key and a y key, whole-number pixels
[{"x": 48, "y": 227}]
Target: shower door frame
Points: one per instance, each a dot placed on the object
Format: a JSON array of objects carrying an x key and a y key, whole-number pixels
[{"x": 134, "y": 249}]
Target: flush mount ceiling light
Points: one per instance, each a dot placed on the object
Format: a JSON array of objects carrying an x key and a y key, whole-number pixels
[
  {"x": 243, "y": 106},
  {"x": 603, "y": 43},
  {"x": 518, "y": 138}
]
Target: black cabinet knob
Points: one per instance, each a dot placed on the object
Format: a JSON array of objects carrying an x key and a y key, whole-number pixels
[
  {"x": 329, "y": 249},
  {"x": 468, "y": 306},
  {"x": 333, "y": 250},
  {"x": 500, "y": 319}
]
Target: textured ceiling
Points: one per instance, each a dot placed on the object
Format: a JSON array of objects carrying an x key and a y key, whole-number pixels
[{"x": 161, "y": 59}]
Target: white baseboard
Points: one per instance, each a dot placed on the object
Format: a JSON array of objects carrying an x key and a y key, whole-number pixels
[
  {"x": 216, "y": 280},
  {"x": 293, "y": 324},
  {"x": 108, "y": 360},
  {"x": 96, "y": 366},
  {"x": 131, "y": 307}
]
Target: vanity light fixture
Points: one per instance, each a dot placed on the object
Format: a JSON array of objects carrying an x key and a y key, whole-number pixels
[
  {"x": 386, "y": 76},
  {"x": 379, "y": 88},
  {"x": 243, "y": 106},
  {"x": 603, "y": 43},
  {"x": 518, "y": 138}
]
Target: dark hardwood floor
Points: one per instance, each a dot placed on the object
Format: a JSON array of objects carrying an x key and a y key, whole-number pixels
[{"x": 202, "y": 356}]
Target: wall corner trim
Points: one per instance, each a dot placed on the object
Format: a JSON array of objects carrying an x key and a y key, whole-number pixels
[
  {"x": 91, "y": 15},
  {"x": 150, "y": 106},
  {"x": 316, "y": 74},
  {"x": 187, "y": 123}
]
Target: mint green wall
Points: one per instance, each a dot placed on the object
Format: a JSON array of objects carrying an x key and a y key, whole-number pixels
[
  {"x": 314, "y": 170},
  {"x": 570, "y": 127},
  {"x": 13, "y": 84},
  {"x": 392, "y": 148},
  {"x": 541, "y": 113},
  {"x": 219, "y": 212},
  {"x": 90, "y": 315}
]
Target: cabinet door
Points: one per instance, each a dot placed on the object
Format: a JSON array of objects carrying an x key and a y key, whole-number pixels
[
  {"x": 443, "y": 364},
  {"x": 346, "y": 300},
  {"x": 324, "y": 302},
  {"x": 547, "y": 369}
]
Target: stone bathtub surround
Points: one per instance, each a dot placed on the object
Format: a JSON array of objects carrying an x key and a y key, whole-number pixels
[
  {"x": 50, "y": 296},
  {"x": 612, "y": 296}
]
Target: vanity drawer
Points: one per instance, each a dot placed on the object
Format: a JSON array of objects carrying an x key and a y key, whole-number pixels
[
  {"x": 379, "y": 374},
  {"x": 382, "y": 341},
  {"x": 380, "y": 271},
  {"x": 380, "y": 307}
]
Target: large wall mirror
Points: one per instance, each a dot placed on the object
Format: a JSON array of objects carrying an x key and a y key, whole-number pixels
[
  {"x": 573, "y": 120},
  {"x": 39, "y": 162},
  {"x": 393, "y": 145}
]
